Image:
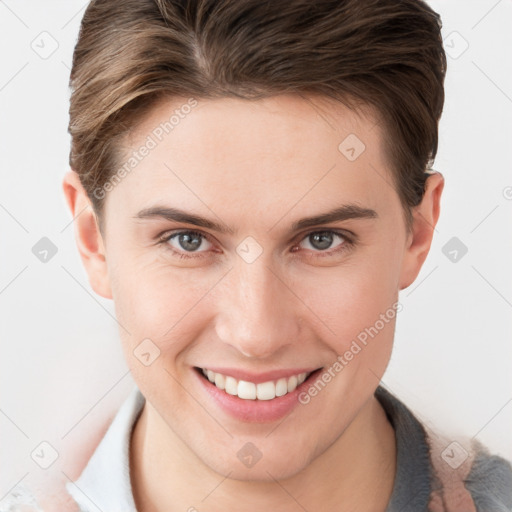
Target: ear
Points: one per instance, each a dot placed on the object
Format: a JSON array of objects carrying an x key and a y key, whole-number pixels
[
  {"x": 425, "y": 217},
  {"x": 87, "y": 234}
]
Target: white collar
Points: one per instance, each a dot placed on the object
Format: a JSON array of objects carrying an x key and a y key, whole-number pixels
[{"x": 105, "y": 482}]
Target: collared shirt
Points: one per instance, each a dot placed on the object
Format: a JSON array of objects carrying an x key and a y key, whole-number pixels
[{"x": 105, "y": 482}]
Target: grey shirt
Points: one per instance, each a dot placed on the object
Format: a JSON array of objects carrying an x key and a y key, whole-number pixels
[{"x": 489, "y": 481}]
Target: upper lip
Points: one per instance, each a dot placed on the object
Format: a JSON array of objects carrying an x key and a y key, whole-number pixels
[{"x": 259, "y": 377}]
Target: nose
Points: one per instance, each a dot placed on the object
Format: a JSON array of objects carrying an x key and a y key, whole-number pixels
[{"x": 257, "y": 310}]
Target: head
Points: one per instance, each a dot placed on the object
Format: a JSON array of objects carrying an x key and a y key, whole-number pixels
[{"x": 206, "y": 136}]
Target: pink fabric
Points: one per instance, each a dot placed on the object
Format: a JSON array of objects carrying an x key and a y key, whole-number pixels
[{"x": 449, "y": 491}]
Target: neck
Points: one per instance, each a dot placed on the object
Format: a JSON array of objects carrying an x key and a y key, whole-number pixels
[{"x": 356, "y": 472}]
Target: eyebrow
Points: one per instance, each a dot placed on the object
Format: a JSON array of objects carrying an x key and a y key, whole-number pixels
[{"x": 345, "y": 212}]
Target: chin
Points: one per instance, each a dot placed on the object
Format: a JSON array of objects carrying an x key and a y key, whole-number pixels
[{"x": 250, "y": 464}]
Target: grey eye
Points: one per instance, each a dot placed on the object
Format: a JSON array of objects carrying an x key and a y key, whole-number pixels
[
  {"x": 322, "y": 240},
  {"x": 188, "y": 241}
]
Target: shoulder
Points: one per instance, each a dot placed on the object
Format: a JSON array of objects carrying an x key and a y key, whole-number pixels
[
  {"x": 439, "y": 473},
  {"x": 490, "y": 482}
]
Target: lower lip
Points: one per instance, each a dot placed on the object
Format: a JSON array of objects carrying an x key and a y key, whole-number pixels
[{"x": 255, "y": 411}]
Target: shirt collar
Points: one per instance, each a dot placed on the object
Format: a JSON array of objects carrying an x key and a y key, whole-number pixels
[
  {"x": 413, "y": 477},
  {"x": 105, "y": 482}
]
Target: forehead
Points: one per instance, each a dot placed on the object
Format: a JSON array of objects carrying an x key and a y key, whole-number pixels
[{"x": 263, "y": 155}]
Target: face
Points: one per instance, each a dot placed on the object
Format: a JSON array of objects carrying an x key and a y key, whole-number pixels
[{"x": 263, "y": 243}]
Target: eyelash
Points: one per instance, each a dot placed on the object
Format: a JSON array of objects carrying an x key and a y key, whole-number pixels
[{"x": 164, "y": 238}]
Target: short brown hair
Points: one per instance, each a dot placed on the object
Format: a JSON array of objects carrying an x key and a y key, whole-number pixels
[{"x": 384, "y": 53}]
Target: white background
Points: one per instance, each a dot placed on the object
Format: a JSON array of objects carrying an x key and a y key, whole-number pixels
[{"x": 62, "y": 373}]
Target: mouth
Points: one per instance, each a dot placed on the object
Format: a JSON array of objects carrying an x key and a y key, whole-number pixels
[{"x": 246, "y": 390}]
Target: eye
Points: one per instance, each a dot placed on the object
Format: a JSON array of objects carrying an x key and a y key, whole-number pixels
[
  {"x": 188, "y": 244},
  {"x": 184, "y": 242},
  {"x": 321, "y": 241}
]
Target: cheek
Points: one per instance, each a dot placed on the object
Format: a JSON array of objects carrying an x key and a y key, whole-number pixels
[
  {"x": 154, "y": 310},
  {"x": 157, "y": 302},
  {"x": 357, "y": 301}
]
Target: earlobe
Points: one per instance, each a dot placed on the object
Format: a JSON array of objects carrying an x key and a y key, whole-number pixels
[
  {"x": 425, "y": 217},
  {"x": 87, "y": 234}
]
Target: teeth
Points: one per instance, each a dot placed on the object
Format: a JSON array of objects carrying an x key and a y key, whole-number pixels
[
  {"x": 246, "y": 390},
  {"x": 251, "y": 391},
  {"x": 265, "y": 391},
  {"x": 220, "y": 381},
  {"x": 292, "y": 383},
  {"x": 231, "y": 386},
  {"x": 281, "y": 387}
]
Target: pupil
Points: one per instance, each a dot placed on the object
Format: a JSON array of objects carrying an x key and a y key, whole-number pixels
[
  {"x": 321, "y": 240},
  {"x": 185, "y": 242}
]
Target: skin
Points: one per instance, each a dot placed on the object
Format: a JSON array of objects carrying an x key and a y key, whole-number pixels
[{"x": 257, "y": 167}]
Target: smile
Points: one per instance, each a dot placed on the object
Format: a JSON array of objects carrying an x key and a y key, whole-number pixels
[
  {"x": 260, "y": 397},
  {"x": 252, "y": 391}
]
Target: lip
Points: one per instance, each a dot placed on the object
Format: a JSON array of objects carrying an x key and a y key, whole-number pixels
[
  {"x": 258, "y": 378},
  {"x": 254, "y": 411}
]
